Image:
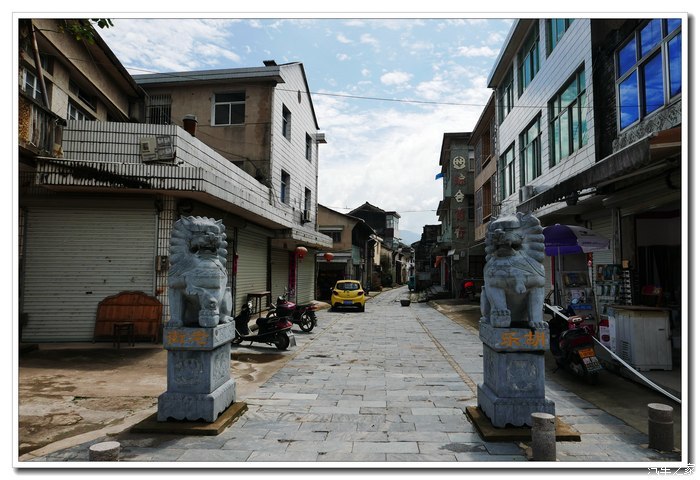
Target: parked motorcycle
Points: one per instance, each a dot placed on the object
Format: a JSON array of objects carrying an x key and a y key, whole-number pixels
[
  {"x": 468, "y": 289},
  {"x": 270, "y": 330},
  {"x": 302, "y": 315},
  {"x": 571, "y": 343}
]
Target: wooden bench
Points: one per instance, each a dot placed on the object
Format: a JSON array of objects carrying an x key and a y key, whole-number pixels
[{"x": 137, "y": 308}]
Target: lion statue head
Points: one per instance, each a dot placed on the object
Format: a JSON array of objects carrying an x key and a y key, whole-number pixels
[
  {"x": 197, "y": 277},
  {"x": 514, "y": 275}
]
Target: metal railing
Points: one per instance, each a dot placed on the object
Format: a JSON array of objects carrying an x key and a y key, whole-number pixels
[{"x": 40, "y": 130}]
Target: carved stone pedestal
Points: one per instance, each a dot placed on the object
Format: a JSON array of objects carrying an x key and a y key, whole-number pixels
[
  {"x": 200, "y": 386},
  {"x": 513, "y": 385}
]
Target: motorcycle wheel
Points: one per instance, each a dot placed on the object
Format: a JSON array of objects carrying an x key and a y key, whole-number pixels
[
  {"x": 592, "y": 378},
  {"x": 282, "y": 341},
  {"x": 306, "y": 322}
]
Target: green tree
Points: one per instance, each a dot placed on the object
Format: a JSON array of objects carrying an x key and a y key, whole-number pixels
[{"x": 85, "y": 29}]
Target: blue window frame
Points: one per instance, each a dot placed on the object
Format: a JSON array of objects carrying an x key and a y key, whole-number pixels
[{"x": 649, "y": 70}]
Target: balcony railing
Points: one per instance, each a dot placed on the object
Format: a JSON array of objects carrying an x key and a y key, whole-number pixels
[{"x": 40, "y": 130}]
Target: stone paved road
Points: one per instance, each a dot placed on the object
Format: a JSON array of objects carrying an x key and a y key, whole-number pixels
[{"x": 387, "y": 385}]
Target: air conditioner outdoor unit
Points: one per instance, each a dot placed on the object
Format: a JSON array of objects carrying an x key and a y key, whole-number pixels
[{"x": 526, "y": 192}]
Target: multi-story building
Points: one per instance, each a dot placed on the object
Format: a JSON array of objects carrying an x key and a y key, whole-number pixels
[
  {"x": 99, "y": 196},
  {"x": 393, "y": 264},
  {"x": 352, "y": 254},
  {"x": 262, "y": 121},
  {"x": 427, "y": 258},
  {"x": 462, "y": 259},
  {"x": 589, "y": 122},
  {"x": 483, "y": 141}
]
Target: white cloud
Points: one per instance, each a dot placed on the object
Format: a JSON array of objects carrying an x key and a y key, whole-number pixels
[
  {"x": 156, "y": 45},
  {"x": 397, "y": 149},
  {"x": 368, "y": 39},
  {"x": 342, "y": 57},
  {"x": 395, "y": 78},
  {"x": 343, "y": 39},
  {"x": 472, "y": 51},
  {"x": 365, "y": 72},
  {"x": 214, "y": 52}
]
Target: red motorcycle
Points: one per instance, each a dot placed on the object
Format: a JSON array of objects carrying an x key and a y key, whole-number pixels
[
  {"x": 302, "y": 315},
  {"x": 571, "y": 343}
]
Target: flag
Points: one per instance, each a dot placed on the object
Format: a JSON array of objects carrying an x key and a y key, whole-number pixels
[{"x": 439, "y": 176}]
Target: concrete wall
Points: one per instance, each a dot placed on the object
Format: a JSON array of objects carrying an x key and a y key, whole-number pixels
[
  {"x": 247, "y": 144},
  {"x": 329, "y": 219},
  {"x": 88, "y": 66}
]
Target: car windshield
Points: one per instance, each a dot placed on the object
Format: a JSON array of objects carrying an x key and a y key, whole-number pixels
[{"x": 347, "y": 286}]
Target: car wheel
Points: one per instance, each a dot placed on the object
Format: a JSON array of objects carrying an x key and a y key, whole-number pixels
[{"x": 362, "y": 308}]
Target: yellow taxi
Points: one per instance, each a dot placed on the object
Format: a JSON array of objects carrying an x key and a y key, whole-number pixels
[{"x": 348, "y": 293}]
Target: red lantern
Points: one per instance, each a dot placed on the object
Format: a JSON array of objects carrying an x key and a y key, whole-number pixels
[
  {"x": 328, "y": 256},
  {"x": 300, "y": 252}
]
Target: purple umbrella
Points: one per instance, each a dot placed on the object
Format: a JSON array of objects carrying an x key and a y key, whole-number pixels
[{"x": 568, "y": 239}]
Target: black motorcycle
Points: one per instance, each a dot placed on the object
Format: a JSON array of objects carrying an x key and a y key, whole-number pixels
[
  {"x": 571, "y": 343},
  {"x": 270, "y": 330},
  {"x": 302, "y": 315}
]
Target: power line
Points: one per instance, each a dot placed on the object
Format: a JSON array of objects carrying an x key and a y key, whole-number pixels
[
  {"x": 397, "y": 211},
  {"x": 204, "y": 74}
]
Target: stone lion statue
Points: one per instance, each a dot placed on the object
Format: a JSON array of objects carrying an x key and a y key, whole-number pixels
[
  {"x": 513, "y": 292},
  {"x": 197, "y": 277}
]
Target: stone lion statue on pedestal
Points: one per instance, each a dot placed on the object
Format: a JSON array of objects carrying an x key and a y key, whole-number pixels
[
  {"x": 513, "y": 292},
  {"x": 197, "y": 277}
]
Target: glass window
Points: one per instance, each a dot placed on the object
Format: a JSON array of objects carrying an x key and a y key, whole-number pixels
[
  {"x": 309, "y": 146},
  {"x": 286, "y": 123},
  {"x": 529, "y": 60},
  {"x": 284, "y": 187},
  {"x": 650, "y": 78},
  {"x": 507, "y": 173},
  {"x": 674, "y": 65},
  {"x": 626, "y": 57},
  {"x": 76, "y": 113},
  {"x": 229, "y": 108},
  {"x": 653, "y": 84},
  {"x": 158, "y": 109},
  {"x": 672, "y": 24},
  {"x": 530, "y": 151},
  {"x": 650, "y": 36},
  {"x": 31, "y": 85},
  {"x": 556, "y": 27},
  {"x": 567, "y": 113},
  {"x": 629, "y": 103},
  {"x": 505, "y": 96},
  {"x": 307, "y": 200}
]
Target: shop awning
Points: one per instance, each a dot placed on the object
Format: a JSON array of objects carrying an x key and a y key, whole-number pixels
[{"x": 637, "y": 158}]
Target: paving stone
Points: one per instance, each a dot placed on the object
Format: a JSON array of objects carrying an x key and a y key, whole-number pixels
[
  {"x": 376, "y": 388},
  {"x": 323, "y": 446}
]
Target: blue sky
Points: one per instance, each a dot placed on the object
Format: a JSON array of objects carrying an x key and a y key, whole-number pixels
[{"x": 382, "y": 151}]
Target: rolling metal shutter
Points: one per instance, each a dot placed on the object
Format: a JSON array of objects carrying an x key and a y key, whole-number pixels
[
  {"x": 279, "y": 269},
  {"x": 251, "y": 248},
  {"x": 77, "y": 256},
  {"x": 306, "y": 280},
  {"x": 603, "y": 226}
]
